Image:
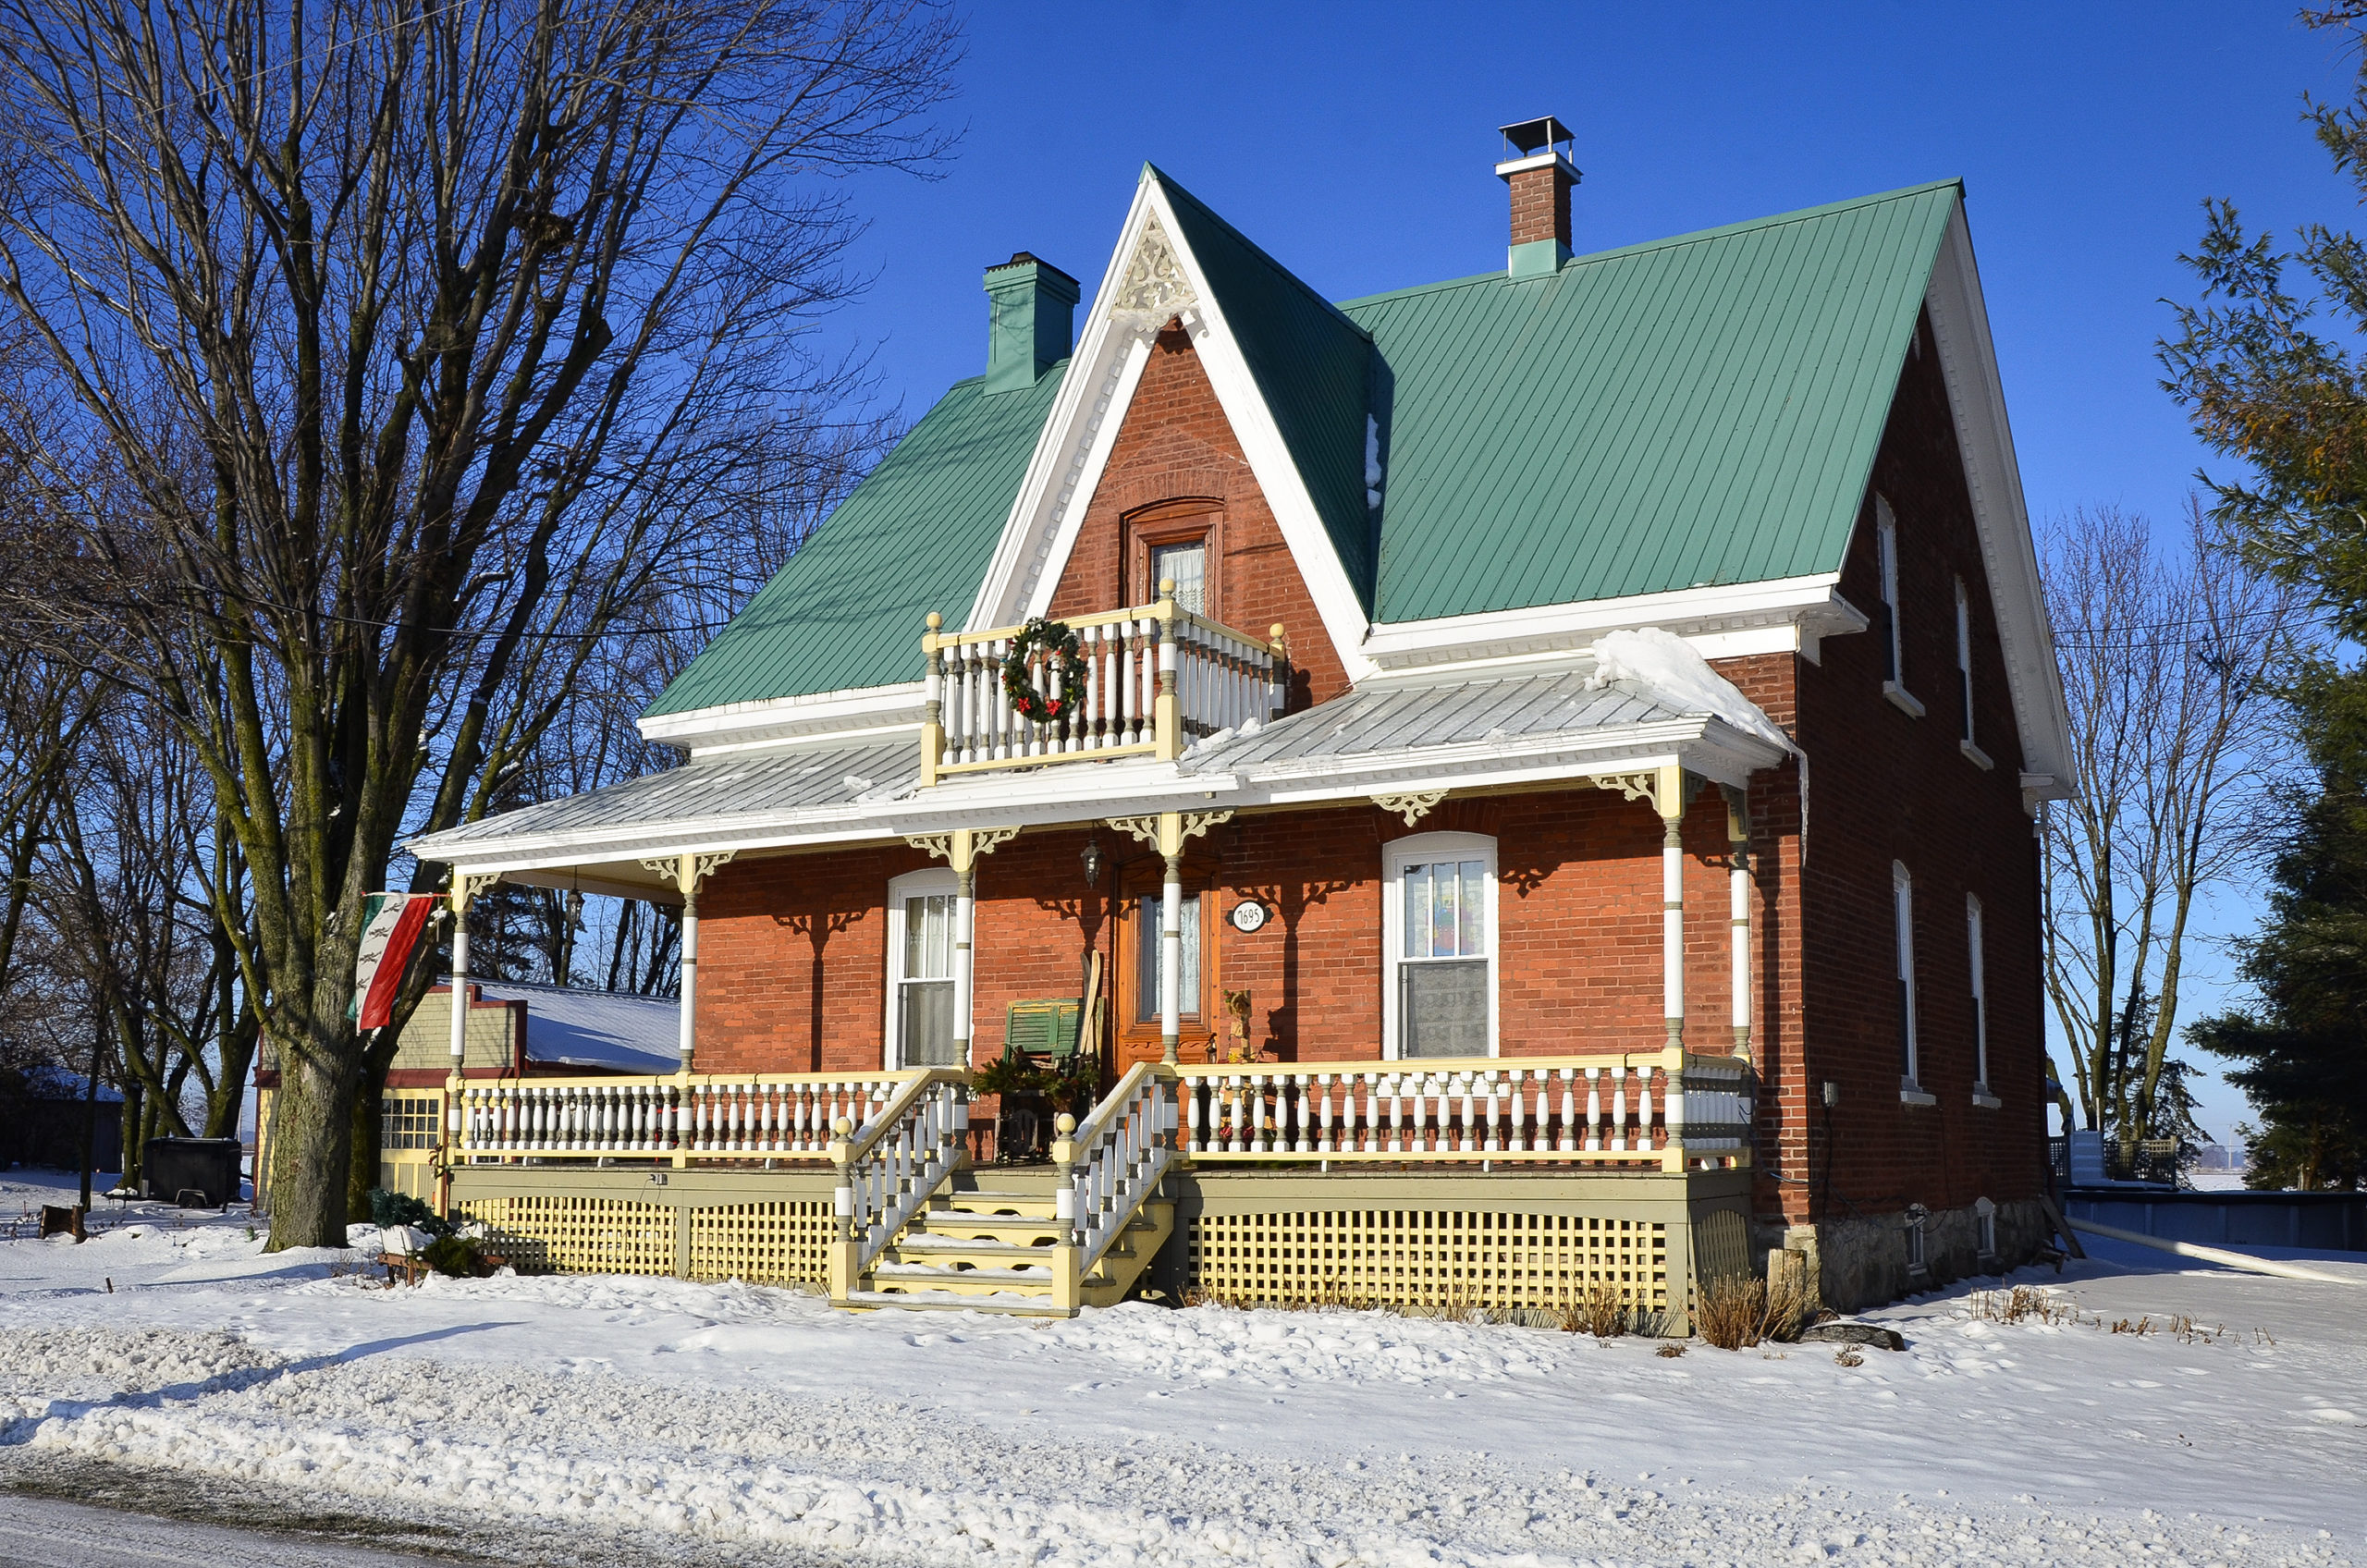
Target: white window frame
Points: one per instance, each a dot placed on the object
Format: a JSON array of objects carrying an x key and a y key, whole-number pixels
[
  {"x": 1968, "y": 742},
  {"x": 1902, "y": 914},
  {"x": 1419, "y": 849},
  {"x": 931, "y": 882},
  {"x": 1977, "y": 944},
  {"x": 1886, "y": 557}
]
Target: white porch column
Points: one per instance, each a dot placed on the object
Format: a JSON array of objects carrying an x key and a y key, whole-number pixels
[
  {"x": 686, "y": 1020},
  {"x": 686, "y": 872},
  {"x": 1171, "y": 936},
  {"x": 1669, "y": 797},
  {"x": 966, "y": 924},
  {"x": 461, "y": 892},
  {"x": 1738, "y": 912},
  {"x": 960, "y": 848}
]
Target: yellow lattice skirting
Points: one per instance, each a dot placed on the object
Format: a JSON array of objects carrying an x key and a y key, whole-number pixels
[
  {"x": 767, "y": 1228},
  {"x": 1524, "y": 1246}
]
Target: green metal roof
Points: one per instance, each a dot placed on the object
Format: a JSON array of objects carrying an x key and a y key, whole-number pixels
[
  {"x": 1313, "y": 366},
  {"x": 1665, "y": 415},
  {"x": 1701, "y": 409},
  {"x": 848, "y": 609},
  {"x": 1696, "y": 411}
]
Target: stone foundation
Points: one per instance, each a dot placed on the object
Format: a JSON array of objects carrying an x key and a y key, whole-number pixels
[{"x": 1861, "y": 1261}]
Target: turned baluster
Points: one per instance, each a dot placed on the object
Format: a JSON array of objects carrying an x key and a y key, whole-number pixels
[
  {"x": 1470, "y": 1141},
  {"x": 1618, "y": 1110},
  {"x": 1396, "y": 1116},
  {"x": 1324, "y": 1139},
  {"x": 1495, "y": 1116},
  {"x": 1644, "y": 1110}
]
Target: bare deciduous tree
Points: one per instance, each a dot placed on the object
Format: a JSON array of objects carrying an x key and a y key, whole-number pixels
[
  {"x": 2170, "y": 653},
  {"x": 412, "y": 343}
]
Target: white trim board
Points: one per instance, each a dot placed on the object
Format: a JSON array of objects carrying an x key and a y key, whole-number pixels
[
  {"x": 1977, "y": 399},
  {"x": 1045, "y": 518}
]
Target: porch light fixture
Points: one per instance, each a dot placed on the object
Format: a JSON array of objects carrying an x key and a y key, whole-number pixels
[{"x": 1092, "y": 858}]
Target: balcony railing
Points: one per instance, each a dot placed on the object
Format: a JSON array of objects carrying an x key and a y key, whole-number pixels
[{"x": 1154, "y": 678}]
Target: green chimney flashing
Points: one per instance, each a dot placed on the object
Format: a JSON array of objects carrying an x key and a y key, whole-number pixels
[
  {"x": 1539, "y": 257},
  {"x": 1030, "y": 317}
]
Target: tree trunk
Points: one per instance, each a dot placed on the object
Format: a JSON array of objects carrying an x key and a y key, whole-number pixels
[{"x": 311, "y": 1155}]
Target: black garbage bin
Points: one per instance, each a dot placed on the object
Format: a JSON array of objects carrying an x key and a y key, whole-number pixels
[{"x": 194, "y": 1172}]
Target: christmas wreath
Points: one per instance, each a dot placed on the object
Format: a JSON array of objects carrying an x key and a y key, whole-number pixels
[{"x": 1056, "y": 640}]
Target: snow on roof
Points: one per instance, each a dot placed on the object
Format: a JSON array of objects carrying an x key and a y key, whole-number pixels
[
  {"x": 56, "y": 1083},
  {"x": 1671, "y": 671},
  {"x": 569, "y": 1027}
]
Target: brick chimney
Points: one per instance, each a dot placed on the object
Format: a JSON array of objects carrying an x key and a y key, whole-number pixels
[
  {"x": 1541, "y": 175},
  {"x": 1031, "y": 321}
]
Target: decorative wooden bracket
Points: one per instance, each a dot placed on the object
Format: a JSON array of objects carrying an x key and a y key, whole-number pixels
[
  {"x": 960, "y": 848},
  {"x": 1167, "y": 830},
  {"x": 1413, "y": 807},
  {"x": 467, "y": 885},
  {"x": 1669, "y": 788},
  {"x": 687, "y": 872}
]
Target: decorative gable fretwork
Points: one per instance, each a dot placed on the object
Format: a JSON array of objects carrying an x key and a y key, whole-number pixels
[{"x": 1154, "y": 286}]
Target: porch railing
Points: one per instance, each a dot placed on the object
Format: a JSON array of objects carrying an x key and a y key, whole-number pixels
[
  {"x": 889, "y": 1170},
  {"x": 1113, "y": 1161},
  {"x": 1635, "y": 1109},
  {"x": 1155, "y": 677},
  {"x": 711, "y": 1116}
]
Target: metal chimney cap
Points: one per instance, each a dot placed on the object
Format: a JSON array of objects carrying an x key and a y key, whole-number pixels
[{"x": 1535, "y": 136}]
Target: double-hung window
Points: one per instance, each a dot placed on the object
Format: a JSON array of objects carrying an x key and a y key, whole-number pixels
[
  {"x": 1981, "y": 1093},
  {"x": 920, "y": 969},
  {"x": 1439, "y": 925},
  {"x": 1966, "y": 741},
  {"x": 1902, "y": 908},
  {"x": 1893, "y": 644}
]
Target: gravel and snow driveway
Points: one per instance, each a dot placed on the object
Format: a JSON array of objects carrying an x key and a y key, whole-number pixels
[{"x": 594, "y": 1420}]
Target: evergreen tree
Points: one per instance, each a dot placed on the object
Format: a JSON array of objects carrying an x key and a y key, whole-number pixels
[{"x": 2305, "y": 1045}]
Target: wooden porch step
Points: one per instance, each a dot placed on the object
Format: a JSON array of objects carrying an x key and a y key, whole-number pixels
[
  {"x": 1009, "y": 1304},
  {"x": 930, "y": 1276},
  {"x": 969, "y": 1246}
]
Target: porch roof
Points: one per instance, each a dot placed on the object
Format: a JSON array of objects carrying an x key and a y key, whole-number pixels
[{"x": 1530, "y": 730}]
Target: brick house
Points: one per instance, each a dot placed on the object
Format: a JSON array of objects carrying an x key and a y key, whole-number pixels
[{"x": 1528, "y": 787}]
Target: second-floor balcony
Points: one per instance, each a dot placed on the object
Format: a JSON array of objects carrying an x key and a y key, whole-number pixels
[{"x": 1145, "y": 680}]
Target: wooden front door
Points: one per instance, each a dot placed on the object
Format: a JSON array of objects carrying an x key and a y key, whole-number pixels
[{"x": 1138, "y": 1033}]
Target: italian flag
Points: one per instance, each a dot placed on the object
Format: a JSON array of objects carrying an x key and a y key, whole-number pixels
[{"x": 390, "y": 926}]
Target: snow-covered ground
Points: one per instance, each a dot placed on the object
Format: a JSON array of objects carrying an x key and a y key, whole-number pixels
[{"x": 606, "y": 1419}]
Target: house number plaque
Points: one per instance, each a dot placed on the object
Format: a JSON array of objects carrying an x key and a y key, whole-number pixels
[{"x": 1248, "y": 915}]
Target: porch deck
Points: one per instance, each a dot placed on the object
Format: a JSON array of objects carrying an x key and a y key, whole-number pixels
[{"x": 1513, "y": 1184}]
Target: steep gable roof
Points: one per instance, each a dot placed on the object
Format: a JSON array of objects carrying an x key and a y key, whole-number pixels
[
  {"x": 1313, "y": 366},
  {"x": 1702, "y": 410},
  {"x": 1697, "y": 410},
  {"x": 848, "y": 609}
]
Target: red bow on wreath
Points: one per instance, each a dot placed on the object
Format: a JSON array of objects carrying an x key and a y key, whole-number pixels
[{"x": 1058, "y": 642}]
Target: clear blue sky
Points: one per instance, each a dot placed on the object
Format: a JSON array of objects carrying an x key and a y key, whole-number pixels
[{"x": 1355, "y": 144}]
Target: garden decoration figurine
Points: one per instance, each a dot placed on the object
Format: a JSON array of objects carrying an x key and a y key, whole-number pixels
[
  {"x": 1236, "y": 1006},
  {"x": 1058, "y": 644}
]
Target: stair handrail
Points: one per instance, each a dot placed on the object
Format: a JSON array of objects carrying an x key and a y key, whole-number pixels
[
  {"x": 1111, "y": 1162},
  {"x": 889, "y": 1169}
]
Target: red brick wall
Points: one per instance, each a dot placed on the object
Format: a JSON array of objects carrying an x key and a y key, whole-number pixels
[
  {"x": 1175, "y": 445},
  {"x": 793, "y": 965},
  {"x": 1885, "y": 786}
]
